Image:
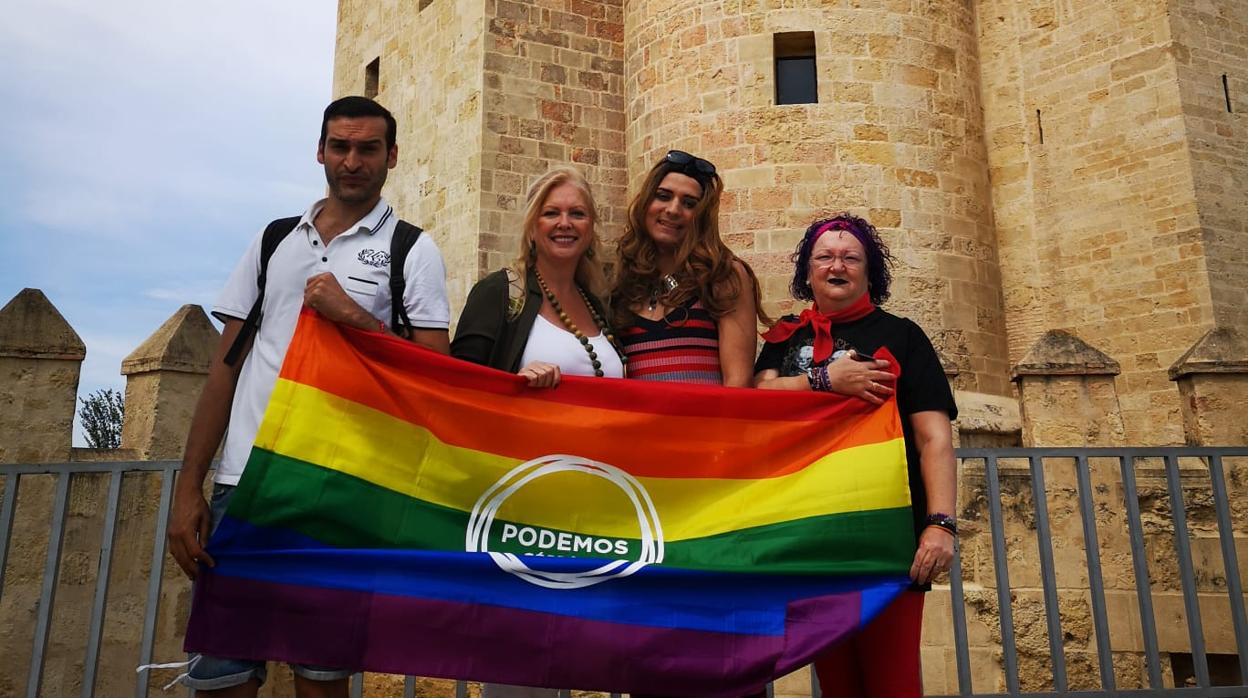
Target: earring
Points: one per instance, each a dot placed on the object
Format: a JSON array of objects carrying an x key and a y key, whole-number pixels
[{"x": 589, "y": 253}]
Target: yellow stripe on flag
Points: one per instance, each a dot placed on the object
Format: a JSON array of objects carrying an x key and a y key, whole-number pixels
[{"x": 316, "y": 427}]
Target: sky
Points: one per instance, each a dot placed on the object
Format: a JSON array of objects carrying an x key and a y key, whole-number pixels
[{"x": 144, "y": 144}]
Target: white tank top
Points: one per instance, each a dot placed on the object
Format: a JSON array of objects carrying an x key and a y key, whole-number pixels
[{"x": 555, "y": 345}]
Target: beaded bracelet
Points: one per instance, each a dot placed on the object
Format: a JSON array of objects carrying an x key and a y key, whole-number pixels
[{"x": 818, "y": 378}]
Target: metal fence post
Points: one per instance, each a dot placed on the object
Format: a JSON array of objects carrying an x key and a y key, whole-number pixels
[
  {"x": 56, "y": 535},
  {"x": 1096, "y": 583}
]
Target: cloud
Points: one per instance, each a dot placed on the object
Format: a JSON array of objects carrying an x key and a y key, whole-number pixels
[
  {"x": 129, "y": 106},
  {"x": 230, "y": 43},
  {"x": 148, "y": 142},
  {"x": 188, "y": 292}
]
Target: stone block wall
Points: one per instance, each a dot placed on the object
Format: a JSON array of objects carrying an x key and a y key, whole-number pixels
[
  {"x": 1068, "y": 398},
  {"x": 1210, "y": 41},
  {"x": 1210, "y": 378},
  {"x": 40, "y": 356},
  {"x": 1027, "y": 603},
  {"x": 896, "y": 137},
  {"x": 429, "y": 58},
  {"x": 1112, "y": 175},
  {"x": 553, "y": 95},
  {"x": 489, "y": 94}
]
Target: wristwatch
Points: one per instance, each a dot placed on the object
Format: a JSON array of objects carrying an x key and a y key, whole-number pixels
[{"x": 944, "y": 521}]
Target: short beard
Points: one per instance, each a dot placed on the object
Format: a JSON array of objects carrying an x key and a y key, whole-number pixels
[
  {"x": 358, "y": 196},
  {"x": 353, "y": 197}
]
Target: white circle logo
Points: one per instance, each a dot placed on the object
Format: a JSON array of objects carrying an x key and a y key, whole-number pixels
[{"x": 483, "y": 512}]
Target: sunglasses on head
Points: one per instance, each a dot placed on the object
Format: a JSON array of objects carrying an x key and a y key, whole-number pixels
[{"x": 688, "y": 164}]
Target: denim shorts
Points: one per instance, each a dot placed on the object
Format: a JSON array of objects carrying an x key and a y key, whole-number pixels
[{"x": 213, "y": 673}]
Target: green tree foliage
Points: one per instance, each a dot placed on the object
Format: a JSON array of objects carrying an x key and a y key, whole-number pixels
[{"x": 101, "y": 413}]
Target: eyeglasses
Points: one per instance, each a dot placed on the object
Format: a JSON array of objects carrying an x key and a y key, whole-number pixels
[
  {"x": 690, "y": 165},
  {"x": 851, "y": 260}
]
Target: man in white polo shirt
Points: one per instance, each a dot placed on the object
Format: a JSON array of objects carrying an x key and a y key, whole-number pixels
[{"x": 336, "y": 260}]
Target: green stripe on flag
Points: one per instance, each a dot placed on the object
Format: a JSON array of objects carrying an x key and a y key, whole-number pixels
[{"x": 345, "y": 511}]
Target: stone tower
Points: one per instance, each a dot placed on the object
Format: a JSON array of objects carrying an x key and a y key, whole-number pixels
[
  {"x": 896, "y": 135},
  {"x": 488, "y": 96},
  {"x": 1038, "y": 167},
  {"x": 1118, "y": 153}
]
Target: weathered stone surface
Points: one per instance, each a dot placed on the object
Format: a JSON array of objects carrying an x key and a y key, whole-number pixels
[
  {"x": 185, "y": 342},
  {"x": 894, "y": 138},
  {"x": 1068, "y": 395},
  {"x": 74, "y": 590},
  {"x": 794, "y": 685},
  {"x": 1212, "y": 408},
  {"x": 1117, "y": 184},
  {"x": 40, "y": 358},
  {"x": 1220, "y": 350},
  {"x": 988, "y": 414},
  {"x": 164, "y": 377},
  {"x": 1070, "y": 410},
  {"x": 32, "y": 328},
  {"x": 1060, "y": 353},
  {"x": 1212, "y": 379},
  {"x": 430, "y": 76}
]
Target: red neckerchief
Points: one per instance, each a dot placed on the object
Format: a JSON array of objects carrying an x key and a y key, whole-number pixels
[{"x": 822, "y": 324}]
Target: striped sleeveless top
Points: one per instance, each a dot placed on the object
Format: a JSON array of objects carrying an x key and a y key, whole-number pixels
[{"x": 682, "y": 347}]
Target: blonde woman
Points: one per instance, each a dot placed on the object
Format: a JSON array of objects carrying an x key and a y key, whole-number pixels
[{"x": 541, "y": 317}]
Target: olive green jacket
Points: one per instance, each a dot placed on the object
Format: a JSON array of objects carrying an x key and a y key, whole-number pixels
[{"x": 490, "y": 332}]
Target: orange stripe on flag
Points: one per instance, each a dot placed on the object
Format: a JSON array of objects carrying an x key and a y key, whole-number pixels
[{"x": 749, "y": 445}]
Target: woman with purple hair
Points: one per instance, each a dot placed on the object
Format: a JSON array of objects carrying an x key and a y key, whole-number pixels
[{"x": 839, "y": 345}]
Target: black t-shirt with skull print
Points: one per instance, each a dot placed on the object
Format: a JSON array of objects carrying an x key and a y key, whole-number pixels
[{"x": 922, "y": 386}]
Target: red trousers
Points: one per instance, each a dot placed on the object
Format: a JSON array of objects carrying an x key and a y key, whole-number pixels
[{"x": 881, "y": 661}]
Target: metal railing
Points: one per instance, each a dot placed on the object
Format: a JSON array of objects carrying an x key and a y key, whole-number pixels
[
  {"x": 1129, "y": 461},
  {"x": 997, "y": 464},
  {"x": 64, "y": 473}
]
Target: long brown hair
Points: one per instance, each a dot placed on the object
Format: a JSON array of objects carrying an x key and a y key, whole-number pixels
[
  {"x": 589, "y": 274},
  {"x": 705, "y": 266}
]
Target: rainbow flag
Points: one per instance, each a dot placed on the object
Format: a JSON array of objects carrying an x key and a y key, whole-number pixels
[{"x": 404, "y": 512}]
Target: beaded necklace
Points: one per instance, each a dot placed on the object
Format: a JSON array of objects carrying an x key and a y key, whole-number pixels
[{"x": 576, "y": 332}]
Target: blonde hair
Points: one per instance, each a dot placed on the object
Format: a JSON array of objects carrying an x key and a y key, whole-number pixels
[{"x": 589, "y": 274}]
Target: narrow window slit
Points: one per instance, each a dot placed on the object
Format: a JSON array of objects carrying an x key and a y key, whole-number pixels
[
  {"x": 372, "y": 75},
  {"x": 1226, "y": 92},
  {"x": 1040, "y": 126}
]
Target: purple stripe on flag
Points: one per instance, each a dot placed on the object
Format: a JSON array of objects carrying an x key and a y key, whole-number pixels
[{"x": 403, "y": 635}]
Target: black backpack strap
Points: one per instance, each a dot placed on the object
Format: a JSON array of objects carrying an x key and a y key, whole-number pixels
[
  {"x": 274, "y": 233},
  {"x": 405, "y": 236}
]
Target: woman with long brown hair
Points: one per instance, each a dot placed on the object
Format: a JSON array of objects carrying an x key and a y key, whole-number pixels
[{"x": 685, "y": 305}]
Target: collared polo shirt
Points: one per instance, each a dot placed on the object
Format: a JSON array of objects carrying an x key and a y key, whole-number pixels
[{"x": 360, "y": 259}]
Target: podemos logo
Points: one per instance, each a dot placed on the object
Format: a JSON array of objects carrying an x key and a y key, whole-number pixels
[{"x": 536, "y": 541}]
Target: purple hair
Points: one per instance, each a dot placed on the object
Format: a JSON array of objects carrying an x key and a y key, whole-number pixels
[{"x": 879, "y": 261}]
